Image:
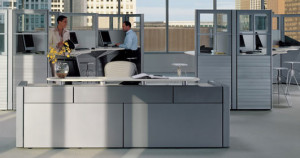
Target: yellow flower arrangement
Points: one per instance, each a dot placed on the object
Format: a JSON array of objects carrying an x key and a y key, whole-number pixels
[{"x": 53, "y": 52}]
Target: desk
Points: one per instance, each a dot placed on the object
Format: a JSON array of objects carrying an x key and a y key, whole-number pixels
[
  {"x": 98, "y": 53},
  {"x": 122, "y": 116},
  {"x": 284, "y": 50},
  {"x": 107, "y": 49},
  {"x": 103, "y": 80}
]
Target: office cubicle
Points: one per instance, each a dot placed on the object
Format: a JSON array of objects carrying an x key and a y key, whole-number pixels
[
  {"x": 254, "y": 60},
  {"x": 213, "y": 45},
  {"x": 113, "y": 23},
  {"x": 29, "y": 46},
  {"x": 239, "y": 63},
  {"x": 3, "y": 60}
]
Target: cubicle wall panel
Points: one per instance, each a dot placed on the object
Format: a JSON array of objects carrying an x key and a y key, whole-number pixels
[
  {"x": 48, "y": 95},
  {"x": 196, "y": 94},
  {"x": 173, "y": 125},
  {"x": 253, "y": 61},
  {"x": 217, "y": 68},
  {"x": 31, "y": 68},
  {"x": 254, "y": 89},
  {"x": 3, "y": 82},
  {"x": 124, "y": 94},
  {"x": 73, "y": 125}
]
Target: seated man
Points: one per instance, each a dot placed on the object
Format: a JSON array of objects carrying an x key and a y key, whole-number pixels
[{"x": 130, "y": 43}]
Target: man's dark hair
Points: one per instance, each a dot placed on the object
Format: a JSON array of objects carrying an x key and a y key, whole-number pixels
[
  {"x": 60, "y": 18},
  {"x": 127, "y": 23}
]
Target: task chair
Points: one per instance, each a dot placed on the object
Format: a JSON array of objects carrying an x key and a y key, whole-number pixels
[{"x": 120, "y": 69}]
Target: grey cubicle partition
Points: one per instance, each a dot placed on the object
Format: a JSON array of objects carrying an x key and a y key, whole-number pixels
[
  {"x": 122, "y": 116},
  {"x": 3, "y": 60},
  {"x": 248, "y": 75}
]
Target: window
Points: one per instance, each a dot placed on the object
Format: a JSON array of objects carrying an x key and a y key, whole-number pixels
[{"x": 155, "y": 25}]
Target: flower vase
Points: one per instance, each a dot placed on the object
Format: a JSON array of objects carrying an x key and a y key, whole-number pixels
[{"x": 61, "y": 69}]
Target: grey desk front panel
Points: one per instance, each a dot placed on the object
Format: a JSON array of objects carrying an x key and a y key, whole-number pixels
[
  {"x": 254, "y": 82},
  {"x": 195, "y": 94},
  {"x": 173, "y": 125},
  {"x": 48, "y": 95},
  {"x": 73, "y": 125},
  {"x": 217, "y": 68},
  {"x": 124, "y": 94}
]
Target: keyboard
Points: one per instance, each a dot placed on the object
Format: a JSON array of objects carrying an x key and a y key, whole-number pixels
[{"x": 82, "y": 49}]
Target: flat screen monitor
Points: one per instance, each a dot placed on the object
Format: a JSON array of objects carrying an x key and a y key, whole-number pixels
[
  {"x": 28, "y": 42},
  {"x": 103, "y": 38},
  {"x": 73, "y": 37},
  {"x": 242, "y": 41},
  {"x": 257, "y": 42}
]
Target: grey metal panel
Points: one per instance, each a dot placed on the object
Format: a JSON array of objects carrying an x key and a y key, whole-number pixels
[
  {"x": 173, "y": 125},
  {"x": 253, "y": 61},
  {"x": 20, "y": 117},
  {"x": 226, "y": 116},
  {"x": 254, "y": 89},
  {"x": 73, "y": 125},
  {"x": 196, "y": 94},
  {"x": 217, "y": 68},
  {"x": 3, "y": 82},
  {"x": 124, "y": 94},
  {"x": 51, "y": 95}
]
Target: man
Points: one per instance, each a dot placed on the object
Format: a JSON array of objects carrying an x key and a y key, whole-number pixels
[
  {"x": 130, "y": 45},
  {"x": 130, "y": 41}
]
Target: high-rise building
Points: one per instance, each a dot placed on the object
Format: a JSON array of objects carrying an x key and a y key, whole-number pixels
[
  {"x": 33, "y": 22},
  {"x": 57, "y": 5},
  {"x": 100, "y": 7},
  {"x": 242, "y": 4},
  {"x": 255, "y": 4},
  {"x": 248, "y": 4},
  {"x": 292, "y": 24}
]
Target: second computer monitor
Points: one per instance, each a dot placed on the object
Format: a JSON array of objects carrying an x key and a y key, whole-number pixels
[
  {"x": 28, "y": 42},
  {"x": 103, "y": 38}
]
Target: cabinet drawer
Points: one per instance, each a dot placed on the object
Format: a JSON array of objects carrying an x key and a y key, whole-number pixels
[
  {"x": 195, "y": 94},
  {"x": 126, "y": 94},
  {"x": 48, "y": 95}
]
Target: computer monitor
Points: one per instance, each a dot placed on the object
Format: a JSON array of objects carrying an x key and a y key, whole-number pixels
[
  {"x": 103, "y": 38},
  {"x": 257, "y": 42},
  {"x": 28, "y": 42},
  {"x": 73, "y": 38},
  {"x": 242, "y": 41}
]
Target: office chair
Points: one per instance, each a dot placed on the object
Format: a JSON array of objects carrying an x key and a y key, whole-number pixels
[{"x": 120, "y": 69}]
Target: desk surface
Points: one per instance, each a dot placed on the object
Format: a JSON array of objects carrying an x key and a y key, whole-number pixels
[
  {"x": 120, "y": 79},
  {"x": 284, "y": 50},
  {"x": 79, "y": 52}
]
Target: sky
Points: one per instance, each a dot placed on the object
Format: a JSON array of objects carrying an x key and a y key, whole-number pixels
[{"x": 179, "y": 10}]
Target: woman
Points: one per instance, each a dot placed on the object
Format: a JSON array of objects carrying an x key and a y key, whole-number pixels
[{"x": 58, "y": 35}]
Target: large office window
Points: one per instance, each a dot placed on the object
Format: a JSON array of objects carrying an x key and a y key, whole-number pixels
[
  {"x": 155, "y": 24},
  {"x": 182, "y": 23}
]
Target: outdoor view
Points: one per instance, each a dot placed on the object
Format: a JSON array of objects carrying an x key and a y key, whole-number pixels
[{"x": 181, "y": 17}]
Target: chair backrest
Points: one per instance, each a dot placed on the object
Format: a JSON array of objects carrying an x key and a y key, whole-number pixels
[{"x": 119, "y": 69}]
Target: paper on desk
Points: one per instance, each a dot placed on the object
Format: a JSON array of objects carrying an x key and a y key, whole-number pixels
[{"x": 147, "y": 76}]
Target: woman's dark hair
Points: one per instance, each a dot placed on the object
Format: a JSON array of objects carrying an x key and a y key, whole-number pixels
[
  {"x": 60, "y": 18},
  {"x": 127, "y": 23}
]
